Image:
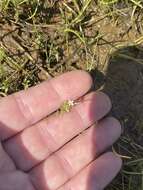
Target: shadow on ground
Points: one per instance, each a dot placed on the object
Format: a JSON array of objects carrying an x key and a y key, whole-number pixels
[{"x": 124, "y": 85}]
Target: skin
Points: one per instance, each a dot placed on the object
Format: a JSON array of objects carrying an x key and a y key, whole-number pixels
[{"x": 43, "y": 150}]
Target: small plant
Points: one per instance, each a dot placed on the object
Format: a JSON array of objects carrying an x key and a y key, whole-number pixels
[{"x": 67, "y": 106}]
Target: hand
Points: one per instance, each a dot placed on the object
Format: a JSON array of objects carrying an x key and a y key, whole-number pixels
[{"x": 45, "y": 150}]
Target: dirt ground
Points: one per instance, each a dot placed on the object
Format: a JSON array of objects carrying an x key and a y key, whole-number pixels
[{"x": 113, "y": 55}]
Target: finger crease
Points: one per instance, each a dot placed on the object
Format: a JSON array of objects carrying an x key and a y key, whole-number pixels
[
  {"x": 67, "y": 167},
  {"x": 47, "y": 138},
  {"x": 80, "y": 118},
  {"x": 61, "y": 98},
  {"x": 24, "y": 109}
]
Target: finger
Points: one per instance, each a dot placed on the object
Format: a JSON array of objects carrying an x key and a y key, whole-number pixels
[
  {"x": 39, "y": 141},
  {"x": 24, "y": 108},
  {"x": 6, "y": 163},
  {"x": 97, "y": 175},
  {"x": 15, "y": 181},
  {"x": 76, "y": 155}
]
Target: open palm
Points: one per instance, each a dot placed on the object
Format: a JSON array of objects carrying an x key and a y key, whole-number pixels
[{"x": 45, "y": 150}]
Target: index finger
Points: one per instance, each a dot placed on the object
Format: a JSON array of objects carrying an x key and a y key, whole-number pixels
[{"x": 25, "y": 108}]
